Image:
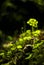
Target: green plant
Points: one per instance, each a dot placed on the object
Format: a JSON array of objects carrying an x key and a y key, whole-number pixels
[
  {"x": 32, "y": 22},
  {"x": 21, "y": 51}
]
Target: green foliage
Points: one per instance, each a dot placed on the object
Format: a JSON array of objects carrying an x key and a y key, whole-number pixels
[
  {"x": 13, "y": 51},
  {"x": 38, "y": 44},
  {"x": 32, "y": 22},
  {"x": 30, "y": 55},
  {"x": 19, "y": 46},
  {"x": 36, "y": 33},
  {"x": 9, "y": 38}
]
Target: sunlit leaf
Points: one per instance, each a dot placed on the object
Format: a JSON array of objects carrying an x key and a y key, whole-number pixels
[
  {"x": 13, "y": 48},
  {"x": 7, "y": 45},
  {"x": 25, "y": 38},
  {"x": 32, "y": 22},
  {"x": 20, "y": 39},
  {"x": 1, "y": 54},
  {"x": 19, "y": 46}
]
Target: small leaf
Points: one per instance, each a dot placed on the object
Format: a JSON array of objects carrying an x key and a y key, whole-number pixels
[
  {"x": 13, "y": 48},
  {"x": 29, "y": 56},
  {"x": 38, "y": 44},
  {"x": 19, "y": 46}
]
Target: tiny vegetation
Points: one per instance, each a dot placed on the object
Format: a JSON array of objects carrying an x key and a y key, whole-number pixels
[{"x": 27, "y": 49}]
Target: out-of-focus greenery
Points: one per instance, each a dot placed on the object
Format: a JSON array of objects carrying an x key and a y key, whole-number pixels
[
  {"x": 26, "y": 47},
  {"x": 40, "y": 2},
  {"x": 13, "y": 50}
]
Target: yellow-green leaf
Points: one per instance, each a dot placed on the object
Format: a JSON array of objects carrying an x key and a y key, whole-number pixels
[{"x": 19, "y": 46}]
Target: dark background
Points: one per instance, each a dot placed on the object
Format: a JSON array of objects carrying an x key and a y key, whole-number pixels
[{"x": 15, "y": 13}]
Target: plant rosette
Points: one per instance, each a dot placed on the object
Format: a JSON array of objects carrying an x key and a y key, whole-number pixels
[{"x": 32, "y": 22}]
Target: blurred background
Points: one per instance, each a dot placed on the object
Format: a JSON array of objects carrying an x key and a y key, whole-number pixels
[
  {"x": 15, "y": 13},
  {"x": 21, "y": 44}
]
